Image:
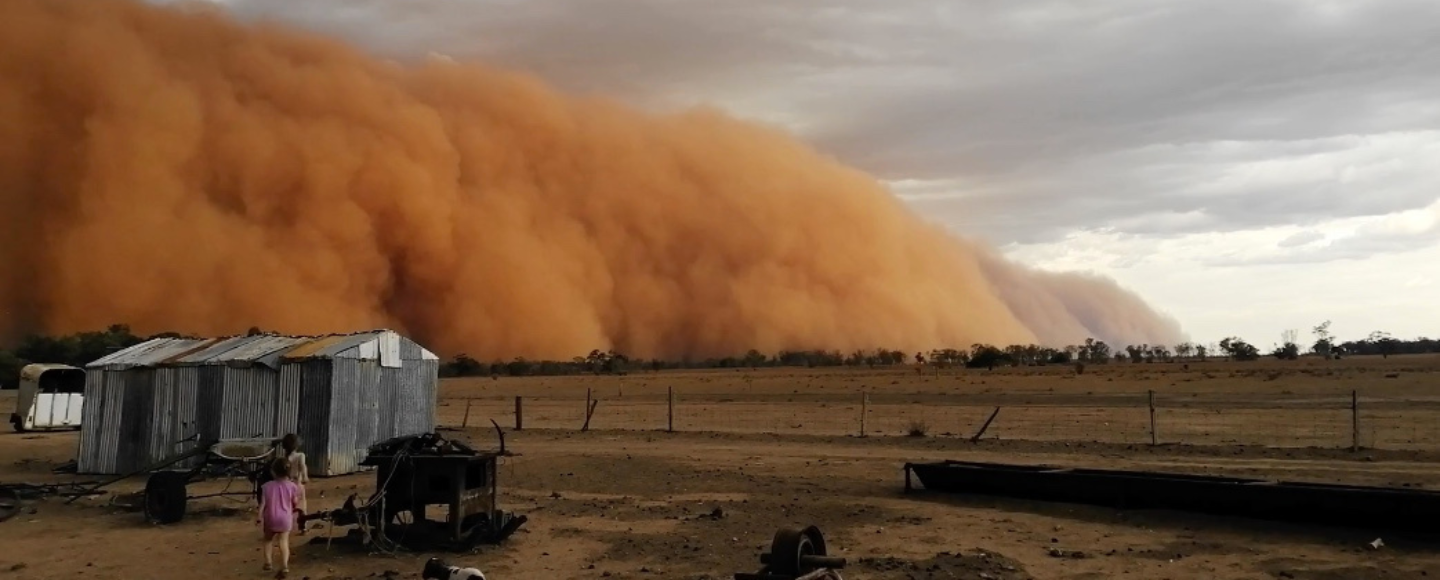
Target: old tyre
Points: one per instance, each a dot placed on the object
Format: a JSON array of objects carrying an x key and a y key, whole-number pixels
[
  {"x": 792, "y": 551},
  {"x": 165, "y": 497}
]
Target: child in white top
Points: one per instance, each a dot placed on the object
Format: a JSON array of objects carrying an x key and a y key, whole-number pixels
[{"x": 298, "y": 472}]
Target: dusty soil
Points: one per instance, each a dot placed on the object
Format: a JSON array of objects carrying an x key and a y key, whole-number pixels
[{"x": 703, "y": 505}]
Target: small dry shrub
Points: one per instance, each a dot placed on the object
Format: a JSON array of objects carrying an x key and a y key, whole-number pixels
[{"x": 918, "y": 429}]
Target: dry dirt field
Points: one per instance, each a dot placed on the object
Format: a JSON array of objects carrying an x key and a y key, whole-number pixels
[{"x": 773, "y": 448}]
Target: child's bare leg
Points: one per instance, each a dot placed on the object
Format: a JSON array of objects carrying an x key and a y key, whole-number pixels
[
  {"x": 269, "y": 551},
  {"x": 283, "y": 538}
]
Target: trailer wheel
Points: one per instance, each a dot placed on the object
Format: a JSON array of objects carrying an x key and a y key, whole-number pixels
[{"x": 165, "y": 497}]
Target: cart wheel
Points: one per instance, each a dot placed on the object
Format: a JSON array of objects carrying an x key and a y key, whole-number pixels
[
  {"x": 165, "y": 497},
  {"x": 9, "y": 504}
]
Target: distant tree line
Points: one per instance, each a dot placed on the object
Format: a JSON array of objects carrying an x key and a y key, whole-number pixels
[
  {"x": 82, "y": 348},
  {"x": 75, "y": 349}
]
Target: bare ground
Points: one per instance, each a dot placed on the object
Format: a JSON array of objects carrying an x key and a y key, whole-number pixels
[{"x": 642, "y": 504}]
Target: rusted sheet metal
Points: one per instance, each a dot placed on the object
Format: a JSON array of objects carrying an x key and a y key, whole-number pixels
[
  {"x": 203, "y": 345},
  {"x": 314, "y": 348},
  {"x": 244, "y": 351},
  {"x": 210, "y": 350},
  {"x": 148, "y": 353},
  {"x": 263, "y": 350},
  {"x": 333, "y": 346}
]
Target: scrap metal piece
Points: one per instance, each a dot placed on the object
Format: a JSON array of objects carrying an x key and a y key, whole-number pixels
[
  {"x": 13, "y": 495},
  {"x": 9, "y": 503},
  {"x": 1364, "y": 507}
]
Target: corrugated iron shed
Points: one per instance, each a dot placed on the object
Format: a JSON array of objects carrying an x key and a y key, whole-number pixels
[{"x": 340, "y": 393}]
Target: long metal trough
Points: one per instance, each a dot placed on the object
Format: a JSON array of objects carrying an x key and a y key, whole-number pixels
[{"x": 1339, "y": 505}]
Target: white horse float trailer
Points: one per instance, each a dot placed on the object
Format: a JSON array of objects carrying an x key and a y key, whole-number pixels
[{"x": 51, "y": 397}]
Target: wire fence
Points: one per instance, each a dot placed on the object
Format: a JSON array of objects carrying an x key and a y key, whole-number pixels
[{"x": 1342, "y": 420}]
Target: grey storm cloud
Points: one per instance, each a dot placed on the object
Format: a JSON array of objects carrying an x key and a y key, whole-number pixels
[{"x": 1016, "y": 122}]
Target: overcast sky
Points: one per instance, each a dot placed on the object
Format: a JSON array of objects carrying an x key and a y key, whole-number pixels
[{"x": 1247, "y": 166}]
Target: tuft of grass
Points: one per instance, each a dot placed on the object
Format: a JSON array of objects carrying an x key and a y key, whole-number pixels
[{"x": 918, "y": 429}]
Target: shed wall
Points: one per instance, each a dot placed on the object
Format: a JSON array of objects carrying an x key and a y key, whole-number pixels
[
  {"x": 312, "y": 379},
  {"x": 250, "y": 398},
  {"x": 91, "y": 422}
]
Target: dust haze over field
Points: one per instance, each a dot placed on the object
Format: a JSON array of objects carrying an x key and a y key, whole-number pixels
[{"x": 174, "y": 170}]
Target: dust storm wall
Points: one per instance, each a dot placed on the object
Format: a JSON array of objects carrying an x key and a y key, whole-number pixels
[{"x": 173, "y": 169}]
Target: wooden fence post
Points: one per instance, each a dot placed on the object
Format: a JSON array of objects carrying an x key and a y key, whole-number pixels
[
  {"x": 864, "y": 410},
  {"x": 1354, "y": 420},
  {"x": 589, "y": 412},
  {"x": 466, "y": 422},
  {"x": 519, "y": 414},
  {"x": 981, "y": 432},
  {"x": 1154, "y": 436},
  {"x": 670, "y": 419}
]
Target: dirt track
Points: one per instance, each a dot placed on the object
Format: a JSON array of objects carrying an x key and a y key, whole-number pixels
[{"x": 612, "y": 504}]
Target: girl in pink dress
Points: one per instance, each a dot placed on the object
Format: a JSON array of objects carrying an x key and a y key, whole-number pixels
[{"x": 279, "y": 501}]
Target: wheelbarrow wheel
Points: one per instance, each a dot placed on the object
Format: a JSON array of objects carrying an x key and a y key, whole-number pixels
[
  {"x": 165, "y": 496},
  {"x": 792, "y": 550}
]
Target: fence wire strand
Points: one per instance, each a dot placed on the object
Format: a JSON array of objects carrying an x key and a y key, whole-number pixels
[{"x": 1190, "y": 418}]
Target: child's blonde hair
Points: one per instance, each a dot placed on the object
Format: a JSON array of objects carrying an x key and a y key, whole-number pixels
[{"x": 280, "y": 468}]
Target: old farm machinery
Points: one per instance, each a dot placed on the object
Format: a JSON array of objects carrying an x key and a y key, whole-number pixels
[
  {"x": 166, "y": 493},
  {"x": 233, "y": 460},
  {"x": 414, "y": 474}
]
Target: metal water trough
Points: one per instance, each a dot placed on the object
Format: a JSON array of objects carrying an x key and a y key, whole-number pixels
[{"x": 1315, "y": 503}]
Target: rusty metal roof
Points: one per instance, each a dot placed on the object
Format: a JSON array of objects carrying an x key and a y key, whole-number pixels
[
  {"x": 262, "y": 349},
  {"x": 148, "y": 353},
  {"x": 329, "y": 346},
  {"x": 313, "y": 347},
  {"x": 266, "y": 349}
]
